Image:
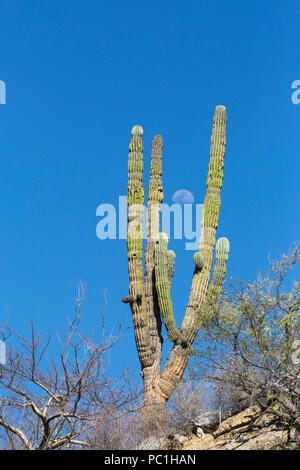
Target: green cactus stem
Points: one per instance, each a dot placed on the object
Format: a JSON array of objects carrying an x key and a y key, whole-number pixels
[
  {"x": 210, "y": 218},
  {"x": 163, "y": 286},
  {"x": 155, "y": 198},
  {"x": 135, "y": 201},
  {"x": 198, "y": 260},
  {"x": 222, "y": 252},
  {"x": 171, "y": 262},
  {"x": 190, "y": 324}
]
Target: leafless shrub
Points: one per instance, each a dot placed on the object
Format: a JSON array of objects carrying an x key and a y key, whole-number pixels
[
  {"x": 58, "y": 402},
  {"x": 126, "y": 432},
  {"x": 189, "y": 400},
  {"x": 228, "y": 395}
]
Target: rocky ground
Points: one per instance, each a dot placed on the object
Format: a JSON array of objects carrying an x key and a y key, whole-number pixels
[{"x": 242, "y": 431}]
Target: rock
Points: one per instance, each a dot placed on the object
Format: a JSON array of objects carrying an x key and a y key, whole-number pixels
[
  {"x": 230, "y": 445},
  {"x": 200, "y": 432},
  {"x": 242, "y": 418},
  {"x": 207, "y": 418},
  {"x": 179, "y": 438},
  {"x": 208, "y": 421},
  {"x": 235, "y": 433}
]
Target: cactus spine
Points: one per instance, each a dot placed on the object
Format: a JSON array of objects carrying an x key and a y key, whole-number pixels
[{"x": 150, "y": 299}]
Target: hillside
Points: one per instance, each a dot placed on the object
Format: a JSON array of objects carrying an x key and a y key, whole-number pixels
[{"x": 242, "y": 431}]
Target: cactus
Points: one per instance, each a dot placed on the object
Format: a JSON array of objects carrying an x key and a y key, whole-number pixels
[
  {"x": 155, "y": 197},
  {"x": 171, "y": 261},
  {"x": 198, "y": 260},
  {"x": 222, "y": 252},
  {"x": 163, "y": 285},
  {"x": 150, "y": 297},
  {"x": 135, "y": 201}
]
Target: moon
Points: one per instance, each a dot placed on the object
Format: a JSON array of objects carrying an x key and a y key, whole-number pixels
[{"x": 183, "y": 196}]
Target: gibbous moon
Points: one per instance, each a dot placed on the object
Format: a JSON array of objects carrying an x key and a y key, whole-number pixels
[{"x": 183, "y": 196}]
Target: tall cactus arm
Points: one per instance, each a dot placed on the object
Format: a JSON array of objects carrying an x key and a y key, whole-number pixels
[
  {"x": 210, "y": 218},
  {"x": 155, "y": 190},
  {"x": 215, "y": 287},
  {"x": 179, "y": 355},
  {"x": 155, "y": 198},
  {"x": 163, "y": 286},
  {"x": 207, "y": 310},
  {"x": 135, "y": 201}
]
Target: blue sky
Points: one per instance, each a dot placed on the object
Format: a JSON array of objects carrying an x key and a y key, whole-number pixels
[{"x": 79, "y": 75}]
